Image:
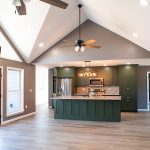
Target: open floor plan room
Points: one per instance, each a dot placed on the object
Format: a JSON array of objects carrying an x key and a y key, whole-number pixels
[{"x": 74, "y": 75}]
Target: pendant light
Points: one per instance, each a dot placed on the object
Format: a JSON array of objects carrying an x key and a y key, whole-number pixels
[{"x": 89, "y": 72}]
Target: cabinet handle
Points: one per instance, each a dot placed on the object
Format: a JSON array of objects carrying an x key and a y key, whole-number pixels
[
  {"x": 128, "y": 88},
  {"x": 128, "y": 100},
  {"x": 128, "y": 97}
]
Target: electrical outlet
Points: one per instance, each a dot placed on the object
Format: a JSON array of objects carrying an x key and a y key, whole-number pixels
[
  {"x": 30, "y": 90},
  {"x": 26, "y": 106}
]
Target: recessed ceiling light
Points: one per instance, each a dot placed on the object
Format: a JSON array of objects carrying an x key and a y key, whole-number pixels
[
  {"x": 61, "y": 65},
  {"x": 41, "y": 45},
  {"x": 135, "y": 35},
  {"x": 83, "y": 65},
  {"x": 144, "y": 2},
  {"x": 128, "y": 63},
  {"x": 29, "y": 28},
  {"x": 105, "y": 64}
]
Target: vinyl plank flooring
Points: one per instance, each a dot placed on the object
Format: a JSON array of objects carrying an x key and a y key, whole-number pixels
[{"x": 43, "y": 132}]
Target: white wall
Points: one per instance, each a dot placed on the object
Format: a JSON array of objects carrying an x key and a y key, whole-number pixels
[{"x": 41, "y": 85}]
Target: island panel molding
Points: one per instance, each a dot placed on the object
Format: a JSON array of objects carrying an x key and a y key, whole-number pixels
[{"x": 99, "y": 109}]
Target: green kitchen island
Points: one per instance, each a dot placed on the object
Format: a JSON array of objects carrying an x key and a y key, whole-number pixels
[{"x": 93, "y": 108}]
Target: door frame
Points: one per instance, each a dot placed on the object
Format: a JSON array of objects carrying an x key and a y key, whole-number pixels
[
  {"x": 1, "y": 95},
  {"x": 148, "y": 95}
]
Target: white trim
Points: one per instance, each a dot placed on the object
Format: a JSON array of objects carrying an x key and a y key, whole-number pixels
[
  {"x": 18, "y": 118},
  {"x": 1, "y": 95},
  {"x": 143, "y": 110},
  {"x": 16, "y": 113},
  {"x": 148, "y": 86},
  {"x": 22, "y": 91}
]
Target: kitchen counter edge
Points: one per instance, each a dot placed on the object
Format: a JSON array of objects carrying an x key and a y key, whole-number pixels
[{"x": 86, "y": 98}]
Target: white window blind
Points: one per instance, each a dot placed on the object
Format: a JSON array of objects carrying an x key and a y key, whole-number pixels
[{"x": 14, "y": 91}]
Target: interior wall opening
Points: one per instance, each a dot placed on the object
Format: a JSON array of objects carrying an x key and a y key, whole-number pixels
[{"x": 41, "y": 85}]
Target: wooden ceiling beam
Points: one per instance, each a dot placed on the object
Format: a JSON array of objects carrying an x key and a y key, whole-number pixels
[{"x": 12, "y": 45}]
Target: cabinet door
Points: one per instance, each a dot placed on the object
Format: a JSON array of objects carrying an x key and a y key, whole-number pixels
[
  {"x": 131, "y": 94},
  {"x": 128, "y": 87}
]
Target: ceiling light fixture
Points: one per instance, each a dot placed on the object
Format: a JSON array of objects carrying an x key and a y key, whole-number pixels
[
  {"x": 135, "y": 35},
  {"x": 41, "y": 45},
  {"x": 79, "y": 48},
  {"x": 105, "y": 64},
  {"x": 128, "y": 63},
  {"x": 16, "y": 2},
  {"x": 144, "y": 2},
  {"x": 88, "y": 71}
]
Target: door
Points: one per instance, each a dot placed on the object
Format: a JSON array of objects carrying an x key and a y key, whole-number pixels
[{"x": 0, "y": 94}]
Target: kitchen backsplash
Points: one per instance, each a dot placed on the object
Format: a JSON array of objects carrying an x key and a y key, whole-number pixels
[{"x": 105, "y": 90}]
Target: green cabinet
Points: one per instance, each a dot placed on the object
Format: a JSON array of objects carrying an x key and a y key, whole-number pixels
[
  {"x": 65, "y": 72},
  {"x": 92, "y": 110},
  {"x": 128, "y": 87},
  {"x": 110, "y": 75}
]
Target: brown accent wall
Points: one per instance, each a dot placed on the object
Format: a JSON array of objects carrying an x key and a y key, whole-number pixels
[{"x": 29, "y": 83}]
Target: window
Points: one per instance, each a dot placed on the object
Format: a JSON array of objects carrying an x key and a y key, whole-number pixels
[{"x": 15, "y": 91}]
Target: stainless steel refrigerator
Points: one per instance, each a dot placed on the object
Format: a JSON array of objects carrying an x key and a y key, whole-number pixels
[{"x": 64, "y": 86}]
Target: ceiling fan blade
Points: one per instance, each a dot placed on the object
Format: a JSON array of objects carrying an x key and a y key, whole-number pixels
[
  {"x": 57, "y": 3},
  {"x": 92, "y": 46},
  {"x": 21, "y": 9},
  {"x": 88, "y": 42}
]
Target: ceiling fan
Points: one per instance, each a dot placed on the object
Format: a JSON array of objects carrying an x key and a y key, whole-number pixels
[
  {"x": 80, "y": 44},
  {"x": 21, "y": 7}
]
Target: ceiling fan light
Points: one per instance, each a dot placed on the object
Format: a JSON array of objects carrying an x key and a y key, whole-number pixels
[
  {"x": 82, "y": 49},
  {"x": 16, "y": 2},
  {"x": 77, "y": 48},
  {"x": 26, "y": 1}
]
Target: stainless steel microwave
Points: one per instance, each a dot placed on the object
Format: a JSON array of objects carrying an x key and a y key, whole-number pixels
[{"x": 96, "y": 82}]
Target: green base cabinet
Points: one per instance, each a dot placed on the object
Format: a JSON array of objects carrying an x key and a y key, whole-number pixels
[
  {"x": 92, "y": 110},
  {"x": 128, "y": 87}
]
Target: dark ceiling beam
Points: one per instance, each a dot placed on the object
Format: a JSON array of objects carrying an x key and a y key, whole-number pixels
[{"x": 12, "y": 45}]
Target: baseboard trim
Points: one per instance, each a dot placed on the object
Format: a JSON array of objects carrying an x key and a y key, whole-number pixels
[
  {"x": 143, "y": 110},
  {"x": 18, "y": 118}
]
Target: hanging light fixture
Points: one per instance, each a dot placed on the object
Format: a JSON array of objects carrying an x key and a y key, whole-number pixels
[
  {"x": 79, "y": 48},
  {"x": 18, "y": 2},
  {"x": 88, "y": 72}
]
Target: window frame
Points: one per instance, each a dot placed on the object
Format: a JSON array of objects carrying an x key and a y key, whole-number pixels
[{"x": 22, "y": 92}]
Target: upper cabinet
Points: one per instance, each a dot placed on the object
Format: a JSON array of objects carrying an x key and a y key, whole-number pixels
[
  {"x": 65, "y": 72},
  {"x": 109, "y": 74},
  {"x": 128, "y": 87}
]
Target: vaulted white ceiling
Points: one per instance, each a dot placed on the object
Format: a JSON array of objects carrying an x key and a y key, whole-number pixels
[
  {"x": 48, "y": 24},
  {"x": 124, "y": 17},
  {"x": 43, "y": 24}
]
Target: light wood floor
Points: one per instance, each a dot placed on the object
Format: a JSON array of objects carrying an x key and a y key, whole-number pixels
[{"x": 42, "y": 132}]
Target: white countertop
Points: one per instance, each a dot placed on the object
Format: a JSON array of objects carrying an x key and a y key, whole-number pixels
[{"x": 87, "y": 98}]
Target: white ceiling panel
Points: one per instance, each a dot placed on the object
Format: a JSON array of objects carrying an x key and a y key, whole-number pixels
[{"x": 23, "y": 30}]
